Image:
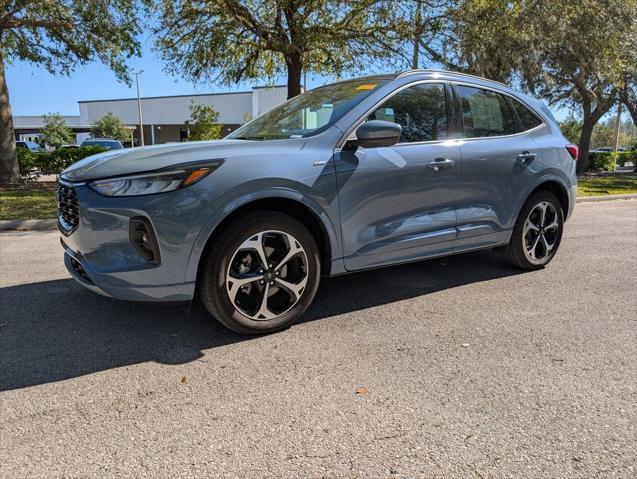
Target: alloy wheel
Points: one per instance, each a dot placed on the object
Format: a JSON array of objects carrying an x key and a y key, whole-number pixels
[
  {"x": 541, "y": 232},
  {"x": 267, "y": 275}
]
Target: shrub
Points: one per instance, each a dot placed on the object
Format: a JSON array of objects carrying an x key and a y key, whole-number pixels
[
  {"x": 603, "y": 161},
  {"x": 52, "y": 162},
  {"x": 27, "y": 162}
]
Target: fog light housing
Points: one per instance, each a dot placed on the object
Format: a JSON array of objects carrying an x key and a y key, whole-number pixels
[{"x": 142, "y": 236}]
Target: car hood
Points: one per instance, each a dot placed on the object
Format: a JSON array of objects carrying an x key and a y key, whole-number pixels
[{"x": 149, "y": 158}]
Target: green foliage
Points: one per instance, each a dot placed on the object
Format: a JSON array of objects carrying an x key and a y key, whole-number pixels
[
  {"x": 203, "y": 123},
  {"x": 231, "y": 41},
  {"x": 571, "y": 129},
  {"x": 624, "y": 157},
  {"x": 52, "y": 162},
  {"x": 55, "y": 132},
  {"x": 27, "y": 162},
  {"x": 110, "y": 126},
  {"x": 603, "y": 161},
  {"x": 59, "y": 34}
]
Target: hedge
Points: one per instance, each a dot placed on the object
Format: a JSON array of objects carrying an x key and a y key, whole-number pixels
[
  {"x": 606, "y": 160},
  {"x": 52, "y": 162}
]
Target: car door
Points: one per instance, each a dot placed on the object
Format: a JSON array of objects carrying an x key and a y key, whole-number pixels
[
  {"x": 397, "y": 203},
  {"x": 498, "y": 161}
]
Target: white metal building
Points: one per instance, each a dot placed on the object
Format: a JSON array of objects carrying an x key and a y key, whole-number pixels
[{"x": 164, "y": 117}]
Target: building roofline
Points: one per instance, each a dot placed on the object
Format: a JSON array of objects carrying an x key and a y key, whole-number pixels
[{"x": 181, "y": 96}]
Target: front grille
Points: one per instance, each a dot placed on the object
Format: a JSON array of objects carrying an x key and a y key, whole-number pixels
[
  {"x": 77, "y": 266},
  {"x": 68, "y": 209}
]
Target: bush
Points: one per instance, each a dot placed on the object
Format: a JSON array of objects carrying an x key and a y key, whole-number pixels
[
  {"x": 52, "y": 162},
  {"x": 27, "y": 162},
  {"x": 603, "y": 161}
]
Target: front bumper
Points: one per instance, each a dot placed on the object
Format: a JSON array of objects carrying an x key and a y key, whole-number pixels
[{"x": 99, "y": 254}]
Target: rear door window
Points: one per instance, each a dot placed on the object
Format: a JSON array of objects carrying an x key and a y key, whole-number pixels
[{"x": 485, "y": 113}]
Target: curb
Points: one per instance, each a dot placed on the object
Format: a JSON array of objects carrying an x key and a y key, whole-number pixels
[
  {"x": 596, "y": 199},
  {"x": 28, "y": 225}
]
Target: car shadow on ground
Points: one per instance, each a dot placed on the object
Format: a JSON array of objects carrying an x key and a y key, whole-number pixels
[{"x": 56, "y": 330}]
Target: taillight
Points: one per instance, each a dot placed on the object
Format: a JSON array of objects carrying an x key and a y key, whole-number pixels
[{"x": 574, "y": 151}]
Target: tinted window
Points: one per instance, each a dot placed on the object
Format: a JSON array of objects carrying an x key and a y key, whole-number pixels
[
  {"x": 528, "y": 119},
  {"x": 421, "y": 110},
  {"x": 485, "y": 113}
]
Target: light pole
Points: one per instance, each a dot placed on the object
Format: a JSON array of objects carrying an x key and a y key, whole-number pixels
[{"x": 139, "y": 108}]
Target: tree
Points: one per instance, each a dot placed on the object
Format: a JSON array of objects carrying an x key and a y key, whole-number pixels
[
  {"x": 230, "y": 41},
  {"x": 569, "y": 53},
  {"x": 59, "y": 34},
  {"x": 571, "y": 129},
  {"x": 55, "y": 132},
  {"x": 203, "y": 123},
  {"x": 110, "y": 126}
]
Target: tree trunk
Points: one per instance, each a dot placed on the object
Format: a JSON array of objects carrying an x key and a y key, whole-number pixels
[
  {"x": 295, "y": 69},
  {"x": 417, "y": 34},
  {"x": 9, "y": 172},
  {"x": 584, "y": 163},
  {"x": 632, "y": 109}
]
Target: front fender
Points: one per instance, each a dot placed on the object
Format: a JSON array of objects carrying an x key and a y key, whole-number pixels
[{"x": 229, "y": 203}]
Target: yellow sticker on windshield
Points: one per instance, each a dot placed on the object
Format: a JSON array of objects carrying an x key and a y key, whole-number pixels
[{"x": 367, "y": 86}]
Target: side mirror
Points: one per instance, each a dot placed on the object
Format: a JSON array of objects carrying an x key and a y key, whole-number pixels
[{"x": 375, "y": 133}]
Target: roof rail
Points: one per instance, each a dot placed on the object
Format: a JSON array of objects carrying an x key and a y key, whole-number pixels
[{"x": 449, "y": 72}]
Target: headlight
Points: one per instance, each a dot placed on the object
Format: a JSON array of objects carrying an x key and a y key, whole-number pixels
[{"x": 159, "y": 181}]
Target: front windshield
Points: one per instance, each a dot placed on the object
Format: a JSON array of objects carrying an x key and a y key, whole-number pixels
[{"x": 309, "y": 113}]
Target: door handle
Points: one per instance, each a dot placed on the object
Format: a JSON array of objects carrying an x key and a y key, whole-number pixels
[
  {"x": 526, "y": 157},
  {"x": 441, "y": 164}
]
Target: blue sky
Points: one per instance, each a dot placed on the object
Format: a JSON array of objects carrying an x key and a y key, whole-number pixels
[{"x": 34, "y": 91}]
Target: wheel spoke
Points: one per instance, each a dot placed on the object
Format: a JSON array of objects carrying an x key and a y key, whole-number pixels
[
  {"x": 547, "y": 246},
  {"x": 531, "y": 249},
  {"x": 256, "y": 243},
  {"x": 543, "y": 207},
  {"x": 264, "y": 312},
  {"x": 554, "y": 224},
  {"x": 529, "y": 226},
  {"x": 235, "y": 284},
  {"x": 295, "y": 290},
  {"x": 294, "y": 249}
]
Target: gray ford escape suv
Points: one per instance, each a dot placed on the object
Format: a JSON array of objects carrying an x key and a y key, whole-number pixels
[{"x": 353, "y": 175}]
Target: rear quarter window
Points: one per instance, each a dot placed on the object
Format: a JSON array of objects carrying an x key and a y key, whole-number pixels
[{"x": 528, "y": 119}]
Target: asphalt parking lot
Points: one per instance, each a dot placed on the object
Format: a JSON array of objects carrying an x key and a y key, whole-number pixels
[{"x": 457, "y": 367}]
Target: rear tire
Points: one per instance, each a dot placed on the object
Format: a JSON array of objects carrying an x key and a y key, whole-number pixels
[
  {"x": 261, "y": 273},
  {"x": 537, "y": 233}
]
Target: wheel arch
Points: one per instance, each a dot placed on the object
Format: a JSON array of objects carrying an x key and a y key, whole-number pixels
[
  {"x": 558, "y": 189},
  {"x": 291, "y": 203}
]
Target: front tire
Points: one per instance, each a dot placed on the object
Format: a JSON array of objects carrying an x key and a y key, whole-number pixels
[
  {"x": 261, "y": 273},
  {"x": 537, "y": 233}
]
